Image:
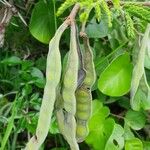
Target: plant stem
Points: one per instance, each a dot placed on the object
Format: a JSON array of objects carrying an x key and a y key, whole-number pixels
[
  {"x": 71, "y": 18},
  {"x": 54, "y": 8}
]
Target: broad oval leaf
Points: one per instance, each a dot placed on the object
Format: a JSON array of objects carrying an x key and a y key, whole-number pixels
[
  {"x": 134, "y": 144},
  {"x": 116, "y": 140},
  {"x": 135, "y": 119},
  {"x": 115, "y": 80},
  {"x": 42, "y": 24},
  {"x": 146, "y": 145},
  {"x": 97, "y": 30},
  {"x": 100, "y": 126},
  {"x": 13, "y": 60}
]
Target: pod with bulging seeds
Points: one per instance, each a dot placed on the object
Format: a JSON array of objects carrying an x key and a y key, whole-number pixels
[
  {"x": 53, "y": 74},
  {"x": 83, "y": 94}
]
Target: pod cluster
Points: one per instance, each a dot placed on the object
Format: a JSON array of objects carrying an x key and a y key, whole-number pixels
[
  {"x": 67, "y": 92},
  {"x": 73, "y": 106}
]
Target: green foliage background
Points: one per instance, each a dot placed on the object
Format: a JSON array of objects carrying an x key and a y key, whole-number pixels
[{"x": 115, "y": 34}]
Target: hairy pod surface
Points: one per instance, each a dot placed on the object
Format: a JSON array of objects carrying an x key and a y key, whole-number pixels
[
  {"x": 71, "y": 75},
  {"x": 67, "y": 127},
  {"x": 81, "y": 71},
  {"x": 139, "y": 78},
  {"x": 82, "y": 130},
  {"x": 66, "y": 122},
  {"x": 83, "y": 104},
  {"x": 83, "y": 94},
  {"x": 53, "y": 74},
  {"x": 89, "y": 65},
  {"x": 65, "y": 115}
]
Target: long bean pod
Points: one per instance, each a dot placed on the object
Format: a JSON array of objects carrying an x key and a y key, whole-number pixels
[
  {"x": 139, "y": 81},
  {"x": 53, "y": 74},
  {"x": 83, "y": 94},
  {"x": 89, "y": 64},
  {"x": 81, "y": 71},
  {"x": 67, "y": 127},
  {"x": 71, "y": 75},
  {"x": 66, "y": 122},
  {"x": 65, "y": 115}
]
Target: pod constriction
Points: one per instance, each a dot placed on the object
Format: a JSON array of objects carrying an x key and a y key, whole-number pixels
[
  {"x": 66, "y": 115},
  {"x": 71, "y": 74},
  {"x": 53, "y": 74},
  {"x": 83, "y": 94}
]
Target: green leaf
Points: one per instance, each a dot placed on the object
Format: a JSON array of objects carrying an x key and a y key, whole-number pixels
[
  {"x": 42, "y": 23},
  {"x": 31, "y": 125},
  {"x": 13, "y": 60},
  {"x": 40, "y": 83},
  {"x": 135, "y": 119},
  {"x": 133, "y": 144},
  {"x": 124, "y": 102},
  {"x": 38, "y": 77},
  {"x": 116, "y": 140},
  {"x": 10, "y": 124},
  {"x": 146, "y": 145},
  {"x": 35, "y": 72},
  {"x": 97, "y": 30},
  {"x": 115, "y": 80},
  {"x": 27, "y": 89},
  {"x": 53, "y": 126},
  {"x": 26, "y": 64},
  {"x": 100, "y": 127},
  {"x": 127, "y": 132}
]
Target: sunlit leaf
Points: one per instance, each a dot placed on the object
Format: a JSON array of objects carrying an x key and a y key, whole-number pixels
[
  {"x": 135, "y": 119},
  {"x": 100, "y": 127},
  {"x": 116, "y": 140},
  {"x": 42, "y": 24},
  {"x": 133, "y": 144},
  {"x": 116, "y": 78}
]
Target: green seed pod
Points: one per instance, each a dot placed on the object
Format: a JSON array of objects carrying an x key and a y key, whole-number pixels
[
  {"x": 82, "y": 130},
  {"x": 53, "y": 73},
  {"x": 65, "y": 115},
  {"x": 67, "y": 127},
  {"x": 83, "y": 115},
  {"x": 81, "y": 70},
  {"x": 83, "y": 104},
  {"x": 83, "y": 94},
  {"x": 71, "y": 75},
  {"x": 88, "y": 65}
]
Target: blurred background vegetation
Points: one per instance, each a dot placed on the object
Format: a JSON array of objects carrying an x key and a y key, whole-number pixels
[{"x": 114, "y": 125}]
